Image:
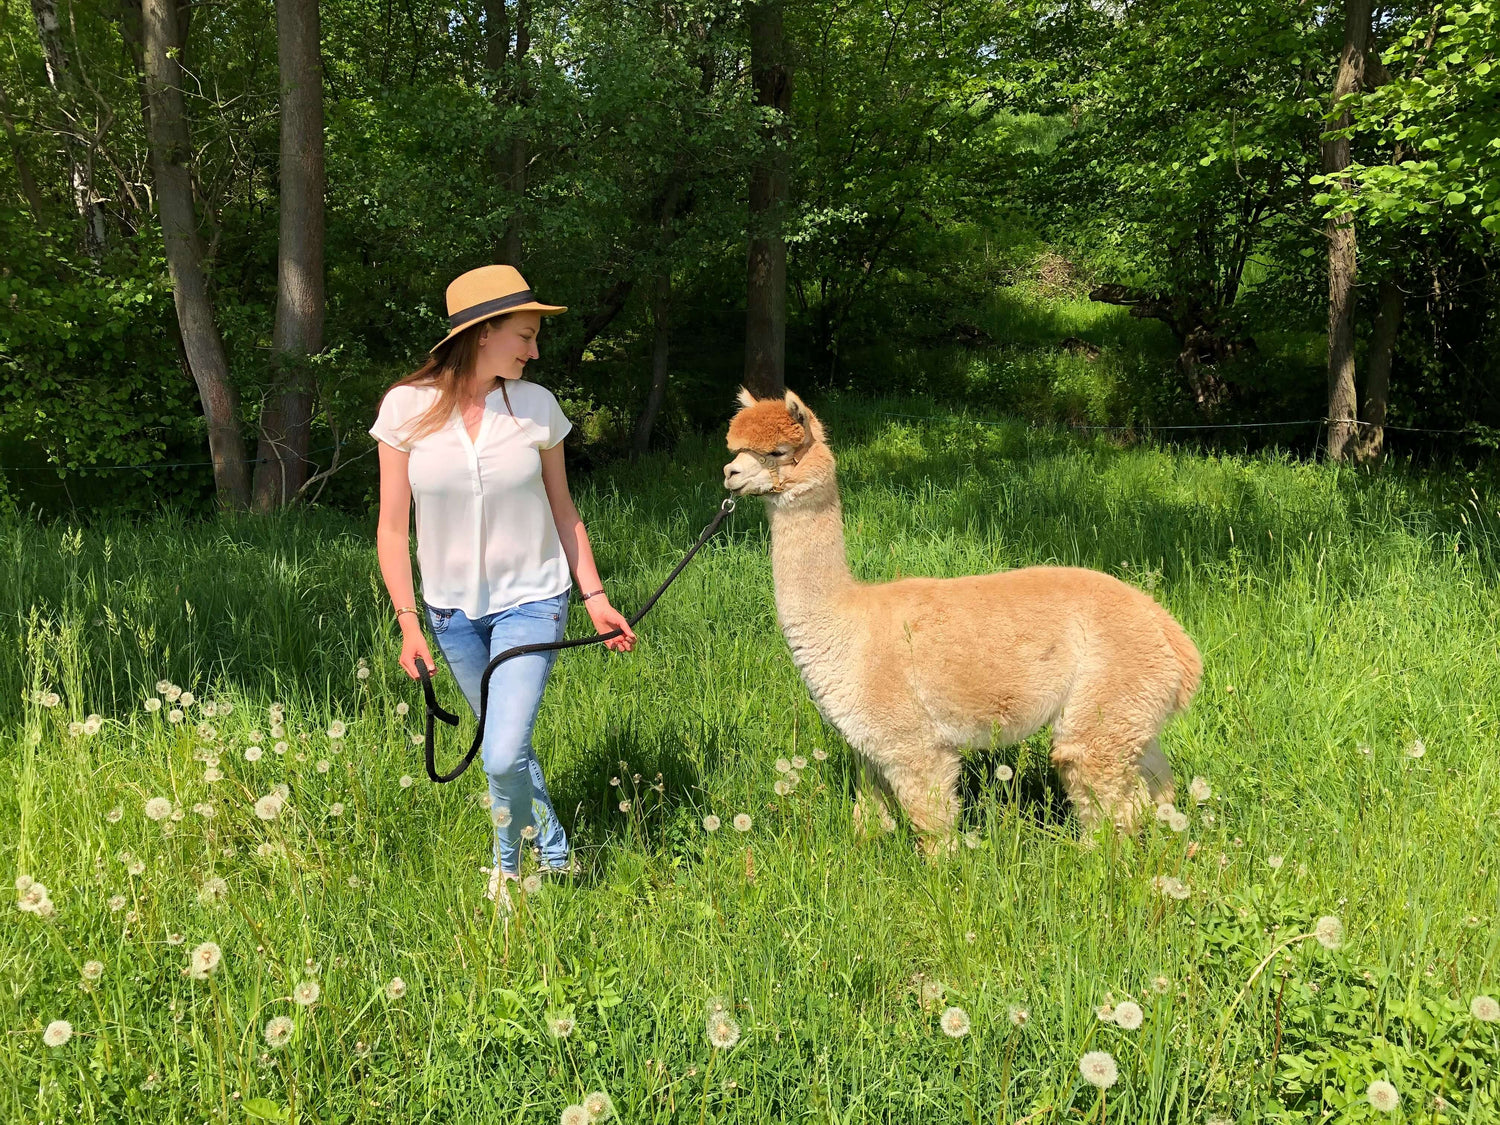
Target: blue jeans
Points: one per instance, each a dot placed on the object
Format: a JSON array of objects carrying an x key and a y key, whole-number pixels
[{"x": 515, "y": 775}]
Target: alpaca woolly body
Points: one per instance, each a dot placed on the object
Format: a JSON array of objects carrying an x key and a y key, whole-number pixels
[{"x": 914, "y": 671}]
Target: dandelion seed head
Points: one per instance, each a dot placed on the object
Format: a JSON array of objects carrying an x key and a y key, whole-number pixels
[
  {"x": 92, "y": 970},
  {"x": 1383, "y": 1096},
  {"x": 1004, "y": 772},
  {"x": 269, "y": 806},
  {"x": 337, "y": 729},
  {"x": 723, "y": 1031},
  {"x": 213, "y": 774},
  {"x": 175, "y": 939},
  {"x": 174, "y": 715},
  {"x": 1160, "y": 985},
  {"x": 153, "y": 704},
  {"x": 783, "y": 766},
  {"x": 598, "y": 1105},
  {"x": 1165, "y": 811},
  {"x": 173, "y": 693},
  {"x": 531, "y": 884},
  {"x": 1019, "y": 1017},
  {"x": 253, "y": 753},
  {"x": 279, "y": 749},
  {"x": 1128, "y": 1015},
  {"x": 204, "y": 961},
  {"x": 742, "y": 822},
  {"x": 115, "y": 814},
  {"x": 323, "y": 765},
  {"x": 215, "y": 890},
  {"x": 116, "y": 903},
  {"x": 278, "y": 1032},
  {"x": 395, "y": 988},
  {"x": 529, "y": 832},
  {"x": 560, "y": 1026},
  {"x": 1416, "y": 750},
  {"x": 186, "y": 699},
  {"x": 1099, "y": 1069},
  {"x": 1329, "y": 931},
  {"x": 624, "y": 806},
  {"x": 158, "y": 808},
  {"x": 710, "y": 823},
  {"x": 58, "y": 1032},
  {"x": 306, "y": 993},
  {"x": 1200, "y": 790},
  {"x": 402, "y": 707},
  {"x": 163, "y": 686},
  {"x": 820, "y": 755},
  {"x": 954, "y": 1022},
  {"x": 500, "y": 817},
  {"x": 1486, "y": 1009},
  {"x": 1178, "y": 821},
  {"x": 362, "y": 674},
  {"x": 92, "y": 724},
  {"x": 781, "y": 788},
  {"x": 336, "y": 809},
  {"x": 575, "y": 1115},
  {"x": 406, "y": 781},
  {"x": 1274, "y": 862}
]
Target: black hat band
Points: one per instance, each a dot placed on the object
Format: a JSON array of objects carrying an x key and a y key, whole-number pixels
[{"x": 490, "y": 308}]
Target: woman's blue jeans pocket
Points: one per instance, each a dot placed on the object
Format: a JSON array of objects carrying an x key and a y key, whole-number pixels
[{"x": 439, "y": 619}]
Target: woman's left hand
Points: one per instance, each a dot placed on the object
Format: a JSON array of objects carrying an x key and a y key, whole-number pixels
[{"x": 607, "y": 619}]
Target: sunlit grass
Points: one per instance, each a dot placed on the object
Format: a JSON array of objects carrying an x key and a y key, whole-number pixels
[{"x": 1347, "y": 731}]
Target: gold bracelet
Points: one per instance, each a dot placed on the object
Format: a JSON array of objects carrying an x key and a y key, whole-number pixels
[{"x": 408, "y": 609}]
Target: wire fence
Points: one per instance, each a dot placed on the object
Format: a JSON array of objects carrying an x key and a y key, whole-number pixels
[{"x": 149, "y": 466}]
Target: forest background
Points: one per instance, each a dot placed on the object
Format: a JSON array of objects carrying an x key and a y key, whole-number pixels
[{"x": 226, "y": 228}]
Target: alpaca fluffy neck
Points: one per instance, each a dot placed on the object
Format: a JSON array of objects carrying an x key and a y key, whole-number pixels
[{"x": 807, "y": 550}]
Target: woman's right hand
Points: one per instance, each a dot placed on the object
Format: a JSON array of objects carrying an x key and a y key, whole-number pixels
[{"x": 413, "y": 645}]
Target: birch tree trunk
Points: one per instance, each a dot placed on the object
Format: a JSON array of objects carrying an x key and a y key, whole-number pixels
[
  {"x": 64, "y": 85},
  {"x": 765, "y": 288},
  {"x": 285, "y": 433},
  {"x": 170, "y": 153},
  {"x": 1342, "y": 265}
]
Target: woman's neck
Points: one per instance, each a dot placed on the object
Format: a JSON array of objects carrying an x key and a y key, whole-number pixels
[{"x": 477, "y": 388}]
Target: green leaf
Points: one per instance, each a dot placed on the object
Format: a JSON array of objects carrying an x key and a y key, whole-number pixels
[{"x": 264, "y": 1109}]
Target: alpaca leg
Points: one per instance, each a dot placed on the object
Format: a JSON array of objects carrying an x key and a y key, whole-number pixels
[
  {"x": 1103, "y": 777},
  {"x": 928, "y": 792},
  {"x": 872, "y": 813},
  {"x": 1156, "y": 773}
]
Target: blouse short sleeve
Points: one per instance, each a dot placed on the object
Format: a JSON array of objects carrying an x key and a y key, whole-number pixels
[
  {"x": 558, "y": 426},
  {"x": 392, "y": 420}
]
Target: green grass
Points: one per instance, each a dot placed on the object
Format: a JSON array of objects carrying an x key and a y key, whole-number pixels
[{"x": 1342, "y": 616}]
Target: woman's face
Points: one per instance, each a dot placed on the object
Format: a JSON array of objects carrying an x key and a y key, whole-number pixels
[{"x": 505, "y": 348}]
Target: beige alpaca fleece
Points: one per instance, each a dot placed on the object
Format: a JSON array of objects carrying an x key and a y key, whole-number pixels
[{"x": 913, "y": 671}]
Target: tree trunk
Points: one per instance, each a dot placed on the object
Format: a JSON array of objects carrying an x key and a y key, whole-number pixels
[
  {"x": 510, "y": 160},
  {"x": 170, "y": 152},
  {"x": 64, "y": 86},
  {"x": 286, "y": 425},
  {"x": 1342, "y": 264},
  {"x": 661, "y": 319},
  {"x": 610, "y": 306},
  {"x": 765, "y": 290},
  {"x": 1371, "y": 446},
  {"x": 27, "y": 184}
]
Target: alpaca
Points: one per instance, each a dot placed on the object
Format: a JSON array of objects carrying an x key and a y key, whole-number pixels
[{"x": 913, "y": 671}]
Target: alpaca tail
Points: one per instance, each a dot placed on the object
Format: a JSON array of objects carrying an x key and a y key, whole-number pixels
[{"x": 1187, "y": 656}]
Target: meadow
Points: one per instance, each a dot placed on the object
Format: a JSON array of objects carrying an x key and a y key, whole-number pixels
[{"x": 1326, "y": 923}]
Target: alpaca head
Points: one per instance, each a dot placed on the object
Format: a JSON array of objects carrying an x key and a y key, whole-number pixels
[{"x": 778, "y": 448}]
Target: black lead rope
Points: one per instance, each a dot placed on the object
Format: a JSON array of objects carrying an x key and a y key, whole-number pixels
[{"x": 436, "y": 711}]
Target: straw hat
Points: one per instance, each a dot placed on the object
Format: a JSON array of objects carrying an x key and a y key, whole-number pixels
[{"x": 486, "y": 292}]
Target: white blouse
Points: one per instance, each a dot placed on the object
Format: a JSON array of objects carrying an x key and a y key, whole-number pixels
[{"x": 486, "y": 539}]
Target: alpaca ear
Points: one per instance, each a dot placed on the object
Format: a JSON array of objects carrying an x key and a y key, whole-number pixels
[
  {"x": 799, "y": 413},
  {"x": 746, "y": 398}
]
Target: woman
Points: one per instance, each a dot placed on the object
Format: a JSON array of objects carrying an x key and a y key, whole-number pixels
[{"x": 480, "y": 451}]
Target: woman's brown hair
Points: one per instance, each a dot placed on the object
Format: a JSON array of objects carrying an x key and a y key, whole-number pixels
[{"x": 450, "y": 363}]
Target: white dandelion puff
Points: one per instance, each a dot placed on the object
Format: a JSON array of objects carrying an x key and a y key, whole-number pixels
[
  {"x": 723, "y": 1032},
  {"x": 783, "y": 766},
  {"x": 115, "y": 814},
  {"x": 92, "y": 724},
  {"x": 1200, "y": 790},
  {"x": 92, "y": 971},
  {"x": 1004, "y": 772},
  {"x": 163, "y": 686},
  {"x": 1329, "y": 931},
  {"x": 1485, "y": 1009},
  {"x": 213, "y": 774},
  {"x": 1128, "y": 1015},
  {"x": 560, "y": 1026},
  {"x": 1099, "y": 1069},
  {"x": 116, "y": 903},
  {"x": 269, "y": 806},
  {"x": 186, "y": 699},
  {"x": 204, "y": 961},
  {"x": 174, "y": 715},
  {"x": 336, "y": 809},
  {"x": 173, "y": 693},
  {"x": 282, "y": 790},
  {"x": 136, "y": 867},
  {"x": 955, "y": 1023},
  {"x": 1415, "y": 750},
  {"x": 529, "y": 832},
  {"x": 362, "y": 674},
  {"x": 710, "y": 823},
  {"x": 278, "y": 1032},
  {"x": 1383, "y": 1096},
  {"x": 575, "y": 1115},
  {"x": 742, "y": 822},
  {"x": 395, "y": 988},
  {"x": 75, "y": 729},
  {"x": 323, "y": 765},
  {"x": 253, "y": 753},
  {"x": 214, "y": 890},
  {"x": 58, "y": 1032},
  {"x": 799, "y": 763},
  {"x": 1178, "y": 821},
  {"x": 1165, "y": 811},
  {"x": 820, "y": 755},
  {"x": 598, "y": 1105},
  {"x": 500, "y": 817},
  {"x": 158, "y": 808},
  {"x": 1161, "y": 985},
  {"x": 1274, "y": 862},
  {"x": 306, "y": 994},
  {"x": 1018, "y": 1016},
  {"x": 279, "y": 749},
  {"x": 175, "y": 939},
  {"x": 531, "y": 884},
  {"x": 153, "y": 704},
  {"x": 406, "y": 781},
  {"x": 402, "y": 708},
  {"x": 624, "y": 806},
  {"x": 781, "y": 788},
  {"x": 337, "y": 729}
]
